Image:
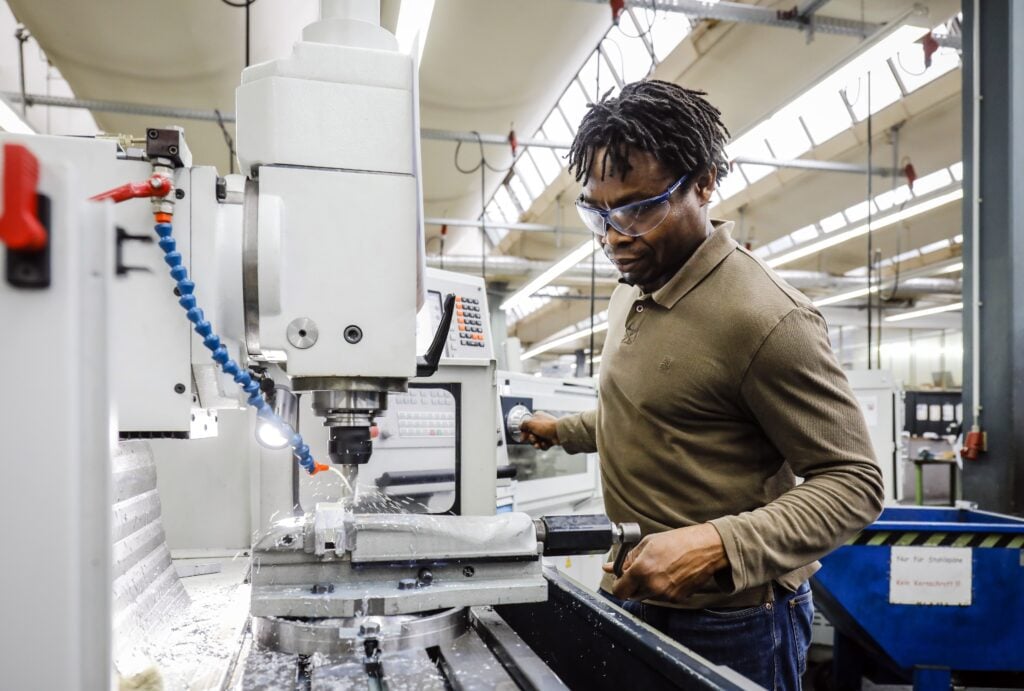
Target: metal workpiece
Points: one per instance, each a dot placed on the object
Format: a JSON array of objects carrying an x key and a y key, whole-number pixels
[
  {"x": 588, "y": 534},
  {"x": 399, "y": 537}
]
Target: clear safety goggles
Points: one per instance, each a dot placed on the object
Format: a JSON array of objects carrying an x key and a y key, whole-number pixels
[{"x": 634, "y": 219}]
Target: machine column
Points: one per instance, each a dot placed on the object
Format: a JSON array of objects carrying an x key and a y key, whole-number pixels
[{"x": 996, "y": 479}]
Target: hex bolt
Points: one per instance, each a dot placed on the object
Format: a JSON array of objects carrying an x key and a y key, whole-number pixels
[
  {"x": 407, "y": 584},
  {"x": 369, "y": 628},
  {"x": 322, "y": 588}
]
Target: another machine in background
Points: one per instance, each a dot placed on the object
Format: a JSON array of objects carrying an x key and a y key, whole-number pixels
[{"x": 880, "y": 397}]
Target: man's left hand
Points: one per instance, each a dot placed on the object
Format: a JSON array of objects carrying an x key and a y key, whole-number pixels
[{"x": 670, "y": 566}]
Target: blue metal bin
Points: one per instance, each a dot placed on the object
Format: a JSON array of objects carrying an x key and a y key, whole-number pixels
[{"x": 927, "y": 643}]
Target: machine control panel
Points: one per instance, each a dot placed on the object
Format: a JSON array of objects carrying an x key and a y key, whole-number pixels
[
  {"x": 470, "y": 334},
  {"x": 420, "y": 417}
]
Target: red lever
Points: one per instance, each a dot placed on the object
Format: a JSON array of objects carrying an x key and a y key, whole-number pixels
[
  {"x": 20, "y": 228},
  {"x": 156, "y": 186}
]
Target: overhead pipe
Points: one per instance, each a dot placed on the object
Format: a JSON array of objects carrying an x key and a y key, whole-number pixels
[
  {"x": 425, "y": 133},
  {"x": 504, "y": 266}
]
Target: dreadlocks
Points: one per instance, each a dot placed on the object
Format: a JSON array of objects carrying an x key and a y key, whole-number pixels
[{"x": 680, "y": 128}]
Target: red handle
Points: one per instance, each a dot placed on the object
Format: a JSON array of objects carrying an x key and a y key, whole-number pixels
[
  {"x": 156, "y": 186},
  {"x": 20, "y": 228}
]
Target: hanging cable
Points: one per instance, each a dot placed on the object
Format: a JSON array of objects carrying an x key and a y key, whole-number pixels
[
  {"x": 482, "y": 165},
  {"x": 227, "y": 140},
  {"x": 244, "y": 4}
]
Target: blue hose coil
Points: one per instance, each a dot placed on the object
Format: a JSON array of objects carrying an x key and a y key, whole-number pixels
[{"x": 186, "y": 288}]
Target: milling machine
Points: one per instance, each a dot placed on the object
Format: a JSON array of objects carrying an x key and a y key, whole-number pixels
[{"x": 329, "y": 208}]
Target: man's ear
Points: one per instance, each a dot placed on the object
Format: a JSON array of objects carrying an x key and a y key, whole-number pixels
[{"x": 705, "y": 185}]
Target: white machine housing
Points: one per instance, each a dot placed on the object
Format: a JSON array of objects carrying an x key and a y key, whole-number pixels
[
  {"x": 57, "y": 426},
  {"x": 880, "y": 396},
  {"x": 333, "y": 222}
]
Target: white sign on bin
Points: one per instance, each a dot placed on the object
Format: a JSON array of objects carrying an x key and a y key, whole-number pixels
[{"x": 930, "y": 576}]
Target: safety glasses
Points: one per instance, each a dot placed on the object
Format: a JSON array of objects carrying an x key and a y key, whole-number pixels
[{"x": 634, "y": 219}]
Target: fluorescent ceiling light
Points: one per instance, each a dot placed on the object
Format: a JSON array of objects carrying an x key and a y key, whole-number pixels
[
  {"x": 561, "y": 341},
  {"x": 554, "y": 271},
  {"x": 952, "y": 268},
  {"x": 413, "y": 24},
  {"x": 925, "y": 312},
  {"x": 879, "y": 224},
  {"x": 11, "y": 122},
  {"x": 843, "y": 297}
]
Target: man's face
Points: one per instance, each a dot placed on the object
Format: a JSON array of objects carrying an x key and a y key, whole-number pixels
[{"x": 650, "y": 260}]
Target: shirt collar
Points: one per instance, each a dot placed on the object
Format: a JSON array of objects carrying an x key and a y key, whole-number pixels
[{"x": 718, "y": 245}]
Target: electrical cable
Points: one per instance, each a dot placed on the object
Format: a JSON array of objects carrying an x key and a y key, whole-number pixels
[
  {"x": 483, "y": 159},
  {"x": 227, "y": 140},
  {"x": 244, "y": 5},
  {"x": 650, "y": 23},
  {"x": 899, "y": 59}
]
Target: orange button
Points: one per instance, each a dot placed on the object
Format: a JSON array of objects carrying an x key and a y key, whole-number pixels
[{"x": 478, "y": 337}]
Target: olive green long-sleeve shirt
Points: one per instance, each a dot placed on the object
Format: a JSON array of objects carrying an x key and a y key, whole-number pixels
[{"x": 716, "y": 392}]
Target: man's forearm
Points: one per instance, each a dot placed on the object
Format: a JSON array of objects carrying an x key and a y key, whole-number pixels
[
  {"x": 578, "y": 433},
  {"x": 801, "y": 526}
]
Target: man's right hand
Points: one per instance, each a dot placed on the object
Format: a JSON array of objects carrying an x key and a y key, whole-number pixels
[{"x": 541, "y": 431}]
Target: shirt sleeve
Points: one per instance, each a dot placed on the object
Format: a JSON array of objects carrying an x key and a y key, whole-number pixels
[
  {"x": 577, "y": 433},
  {"x": 797, "y": 392}
]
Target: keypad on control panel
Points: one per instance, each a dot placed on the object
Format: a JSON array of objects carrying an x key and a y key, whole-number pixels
[
  {"x": 433, "y": 418},
  {"x": 470, "y": 324}
]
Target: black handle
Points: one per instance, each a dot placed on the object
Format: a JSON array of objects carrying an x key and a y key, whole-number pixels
[
  {"x": 620, "y": 559},
  {"x": 426, "y": 364}
]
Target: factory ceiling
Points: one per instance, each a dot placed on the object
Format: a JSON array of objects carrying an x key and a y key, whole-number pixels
[{"x": 490, "y": 65}]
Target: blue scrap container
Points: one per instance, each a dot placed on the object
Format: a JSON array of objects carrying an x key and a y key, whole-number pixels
[{"x": 927, "y": 644}]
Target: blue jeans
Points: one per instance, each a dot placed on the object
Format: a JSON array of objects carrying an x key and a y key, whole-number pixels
[{"x": 767, "y": 644}]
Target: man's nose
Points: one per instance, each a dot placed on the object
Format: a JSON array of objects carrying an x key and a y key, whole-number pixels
[{"x": 613, "y": 237}]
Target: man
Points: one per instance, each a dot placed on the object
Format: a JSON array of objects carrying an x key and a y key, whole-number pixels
[{"x": 718, "y": 387}]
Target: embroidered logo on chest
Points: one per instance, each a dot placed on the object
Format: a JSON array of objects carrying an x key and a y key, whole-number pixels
[
  {"x": 630, "y": 335},
  {"x": 666, "y": 364}
]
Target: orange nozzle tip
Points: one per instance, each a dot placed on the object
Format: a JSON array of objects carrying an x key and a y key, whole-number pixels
[
  {"x": 317, "y": 467},
  {"x": 162, "y": 217}
]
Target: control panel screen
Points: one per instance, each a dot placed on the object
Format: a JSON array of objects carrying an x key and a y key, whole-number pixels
[{"x": 427, "y": 320}]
